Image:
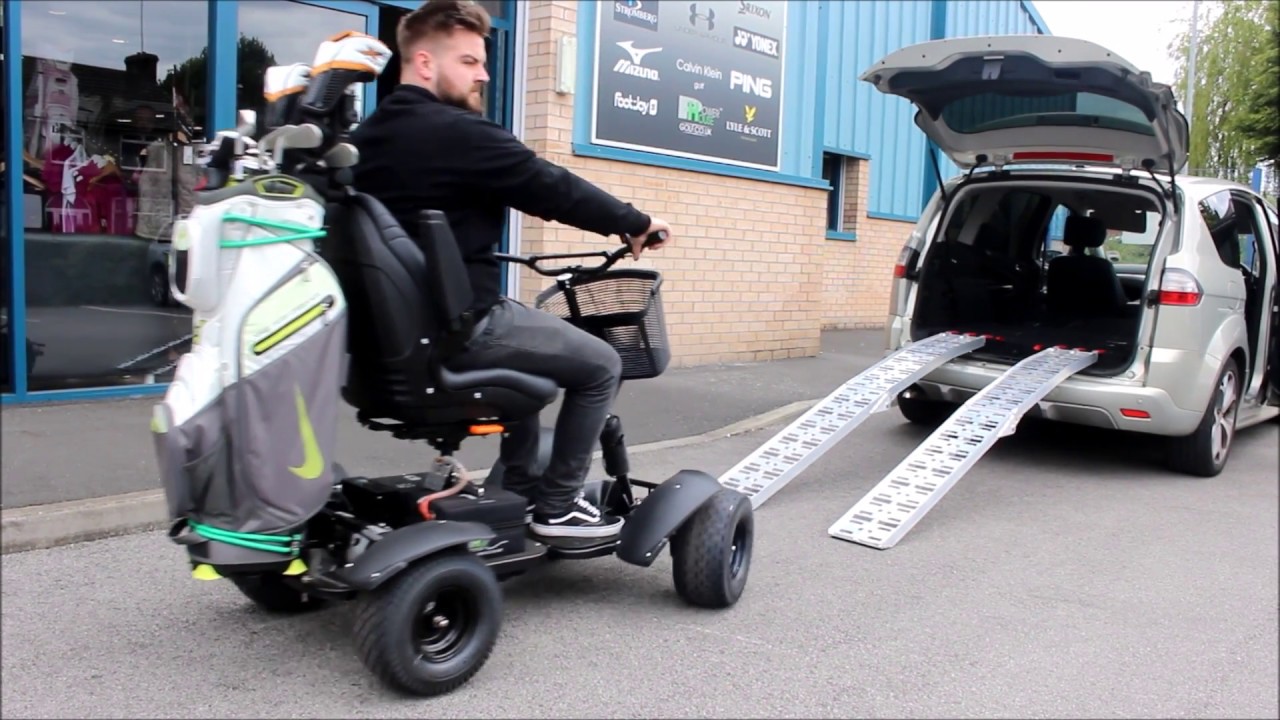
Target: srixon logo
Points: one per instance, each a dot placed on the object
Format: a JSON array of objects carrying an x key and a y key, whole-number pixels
[
  {"x": 750, "y": 8},
  {"x": 755, "y": 42},
  {"x": 640, "y": 13}
]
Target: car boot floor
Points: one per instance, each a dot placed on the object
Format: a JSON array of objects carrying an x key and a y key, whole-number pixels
[{"x": 1013, "y": 342}]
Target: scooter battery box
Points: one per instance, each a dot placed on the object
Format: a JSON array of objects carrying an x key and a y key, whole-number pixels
[
  {"x": 501, "y": 510},
  {"x": 392, "y": 499}
]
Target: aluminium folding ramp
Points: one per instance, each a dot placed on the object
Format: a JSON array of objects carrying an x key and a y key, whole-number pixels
[
  {"x": 784, "y": 456},
  {"x": 889, "y": 511}
]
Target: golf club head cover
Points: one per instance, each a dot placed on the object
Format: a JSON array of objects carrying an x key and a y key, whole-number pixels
[
  {"x": 282, "y": 88},
  {"x": 344, "y": 59}
]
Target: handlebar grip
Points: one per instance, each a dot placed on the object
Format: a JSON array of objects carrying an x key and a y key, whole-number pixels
[{"x": 654, "y": 237}]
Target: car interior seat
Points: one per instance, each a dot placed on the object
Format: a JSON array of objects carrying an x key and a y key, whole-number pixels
[
  {"x": 1080, "y": 286},
  {"x": 971, "y": 275},
  {"x": 407, "y": 295}
]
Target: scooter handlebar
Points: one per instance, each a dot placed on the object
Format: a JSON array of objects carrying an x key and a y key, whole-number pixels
[{"x": 610, "y": 257}]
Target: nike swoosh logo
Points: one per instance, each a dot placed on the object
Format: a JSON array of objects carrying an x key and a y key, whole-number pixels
[{"x": 312, "y": 459}]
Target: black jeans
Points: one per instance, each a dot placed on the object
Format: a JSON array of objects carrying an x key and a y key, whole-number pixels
[{"x": 516, "y": 337}]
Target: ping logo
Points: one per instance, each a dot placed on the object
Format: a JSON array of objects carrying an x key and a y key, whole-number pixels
[{"x": 760, "y": 87}]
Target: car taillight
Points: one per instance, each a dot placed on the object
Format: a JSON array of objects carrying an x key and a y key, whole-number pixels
[
  {"x": 906, "y": 265},
  {"x": 1179, "y": 287}
]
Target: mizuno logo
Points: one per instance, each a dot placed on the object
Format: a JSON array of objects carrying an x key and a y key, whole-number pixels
[
  {"x": 637, "y": 54},
  {"x": 312, "y": 458}
]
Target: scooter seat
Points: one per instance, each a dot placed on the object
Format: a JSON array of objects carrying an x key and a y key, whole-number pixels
[{"x": 537, "y": 388}]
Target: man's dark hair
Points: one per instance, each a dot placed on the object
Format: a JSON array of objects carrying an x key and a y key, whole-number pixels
[{"x": 441, "y": 17}]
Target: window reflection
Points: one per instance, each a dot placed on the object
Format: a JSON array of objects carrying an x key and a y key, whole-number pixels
[
  {"x": 6, "y": 381},
  {"x": 113, "y": 96},
  {"x": 281, "y": 32}
]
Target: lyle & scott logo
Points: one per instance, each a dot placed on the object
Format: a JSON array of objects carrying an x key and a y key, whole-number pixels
[
  {"x": 749, "y": 112},
  {"x": 312, "y": 457}
]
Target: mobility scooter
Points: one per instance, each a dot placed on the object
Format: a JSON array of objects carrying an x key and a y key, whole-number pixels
[{"x": 307, "y": 293}]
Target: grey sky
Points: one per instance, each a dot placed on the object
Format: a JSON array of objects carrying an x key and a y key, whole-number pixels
[{"x": 1138, "y": 30}]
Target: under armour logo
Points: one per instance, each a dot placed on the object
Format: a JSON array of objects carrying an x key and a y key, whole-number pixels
[
  {"x": 709, "y": 16},
  {"x": 637, "y": 54}
]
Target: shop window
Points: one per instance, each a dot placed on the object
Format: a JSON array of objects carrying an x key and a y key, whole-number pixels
[
  {"x": 113, "y": 96},
  {"x": 496, "y": 8},
  {"x": 281, "y": 32}
]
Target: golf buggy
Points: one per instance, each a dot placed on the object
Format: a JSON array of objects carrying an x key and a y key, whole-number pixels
[{"x": 304, "y": 291}]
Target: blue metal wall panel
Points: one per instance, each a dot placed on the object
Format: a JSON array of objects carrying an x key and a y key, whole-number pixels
[{"x": 860, "y": 121}]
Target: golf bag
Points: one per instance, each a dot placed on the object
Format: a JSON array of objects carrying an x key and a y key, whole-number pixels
[{"x": 247, "y": 432}]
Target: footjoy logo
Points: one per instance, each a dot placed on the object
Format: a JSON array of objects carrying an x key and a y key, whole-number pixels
[
  {"x": 755, "y": 42},
  {"x": 750, "y": 8},
  {"x": 638, "y": 104},
  {"x": 640, "y": 13},
  {"x": 634, "y": 66},
  {"x": 696, "y": 118}
]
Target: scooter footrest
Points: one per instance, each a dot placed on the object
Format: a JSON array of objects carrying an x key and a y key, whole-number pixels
[{"x": 577, "y": 546}]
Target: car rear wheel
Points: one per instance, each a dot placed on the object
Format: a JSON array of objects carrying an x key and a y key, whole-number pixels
[{"x": 1205, "y": 451}]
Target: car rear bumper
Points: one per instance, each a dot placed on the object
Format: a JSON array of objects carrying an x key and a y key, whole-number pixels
[{"x": 1080, "y": 400}]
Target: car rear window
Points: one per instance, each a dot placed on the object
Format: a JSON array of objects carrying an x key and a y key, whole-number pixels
[{"x": 995, "y": 111}]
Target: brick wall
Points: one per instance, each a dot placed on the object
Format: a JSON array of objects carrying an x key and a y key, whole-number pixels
[
  {"x": 740, "y": 283},
  {"x": 857, "y": 275}
]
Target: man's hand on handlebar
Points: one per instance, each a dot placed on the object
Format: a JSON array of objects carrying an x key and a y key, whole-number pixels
[{"x": 656, "y": 236}]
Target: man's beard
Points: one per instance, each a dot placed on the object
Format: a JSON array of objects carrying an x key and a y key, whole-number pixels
[{"x": 473, "y": 101}]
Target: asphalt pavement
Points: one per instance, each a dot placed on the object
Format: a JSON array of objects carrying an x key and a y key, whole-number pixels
[
  {"x": 1066, "y": 575},
  {"x": 113, "y": 453}
]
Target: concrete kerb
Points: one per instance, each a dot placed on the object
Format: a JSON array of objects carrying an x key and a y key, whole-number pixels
[{"x": 46, "y": 526}]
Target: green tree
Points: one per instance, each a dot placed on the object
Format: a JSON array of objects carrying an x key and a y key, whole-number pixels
[
  {"x": 192, "y": 80},
  {"x": 1234, "y": 121},
  {"x": 1259, "y": 119}
]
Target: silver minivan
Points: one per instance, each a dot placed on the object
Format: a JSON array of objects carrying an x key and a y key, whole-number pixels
[{"x": 1072, "y": 225}]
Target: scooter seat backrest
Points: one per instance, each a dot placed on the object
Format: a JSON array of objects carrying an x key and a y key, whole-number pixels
[{"x": 383, "y": 275}]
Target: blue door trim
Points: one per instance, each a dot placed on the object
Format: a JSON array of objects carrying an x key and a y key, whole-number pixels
[{"x": 12, "y": 39}]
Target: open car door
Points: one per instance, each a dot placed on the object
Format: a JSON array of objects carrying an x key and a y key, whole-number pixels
[{"x": 1036, "y": 99}]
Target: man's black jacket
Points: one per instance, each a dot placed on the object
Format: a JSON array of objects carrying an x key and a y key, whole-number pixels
[{"x": 417, "y": 153}]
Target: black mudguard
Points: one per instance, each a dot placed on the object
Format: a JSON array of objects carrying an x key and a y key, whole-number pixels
[
  {"x": 652, "y": 523},
  {"x": 399, "y": 548}
]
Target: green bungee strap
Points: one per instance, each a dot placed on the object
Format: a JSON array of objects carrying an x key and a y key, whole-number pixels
[
  {"x": 297, "y": 232},
  {"x": 283, "y": 544}
]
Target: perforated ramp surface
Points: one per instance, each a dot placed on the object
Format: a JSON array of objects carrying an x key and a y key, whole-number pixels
[
  {"x": 889, "y": 511},
  {"x": 784, "y": 456}
]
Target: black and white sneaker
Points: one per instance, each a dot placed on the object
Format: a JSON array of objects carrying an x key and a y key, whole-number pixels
[{"x": 580, "y": 520}]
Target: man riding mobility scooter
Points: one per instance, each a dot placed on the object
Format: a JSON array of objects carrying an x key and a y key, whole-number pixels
[{"x": 286, "y": 327}]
